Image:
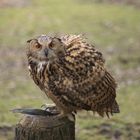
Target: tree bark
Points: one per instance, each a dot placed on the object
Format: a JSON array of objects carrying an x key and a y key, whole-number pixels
[{"x": 35, "y": 127}]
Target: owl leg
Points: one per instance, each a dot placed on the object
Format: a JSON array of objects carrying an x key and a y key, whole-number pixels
[
  {"x": 46, "y": 106},
  {"x": 69, "y": 115},
  {"x": 51, "y": 108}
]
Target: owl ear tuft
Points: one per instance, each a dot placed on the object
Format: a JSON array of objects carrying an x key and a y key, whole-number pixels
[
  {"x": 55, "y": 41},
  {"x": 28, "y": 41}
]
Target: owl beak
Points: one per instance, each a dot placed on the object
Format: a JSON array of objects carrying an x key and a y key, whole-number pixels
[{"x": 46, "y": 52}]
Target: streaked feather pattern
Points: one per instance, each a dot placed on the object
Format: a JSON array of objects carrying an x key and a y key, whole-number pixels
[{"x": 76, "y": 79}]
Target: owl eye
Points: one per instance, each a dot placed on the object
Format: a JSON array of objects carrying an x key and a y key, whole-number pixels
[
  {"x": 55, "y": 42},
  {"x": 51, "y": 45},
  {"x": 38, "y": 46}
]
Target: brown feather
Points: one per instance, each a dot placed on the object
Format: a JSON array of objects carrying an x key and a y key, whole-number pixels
[{"x": 77, "y": 79}]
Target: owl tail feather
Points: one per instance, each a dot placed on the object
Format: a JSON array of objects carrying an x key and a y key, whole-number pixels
[
  {"x": 115, "y": 107},
  {"x": 109, "y": 111}
]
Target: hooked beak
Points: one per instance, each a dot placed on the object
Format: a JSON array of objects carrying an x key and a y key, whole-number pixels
[{"x": 46, "y": 51}]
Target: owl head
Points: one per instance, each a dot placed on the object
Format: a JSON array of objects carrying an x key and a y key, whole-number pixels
[{"x": 45, "y": 48}]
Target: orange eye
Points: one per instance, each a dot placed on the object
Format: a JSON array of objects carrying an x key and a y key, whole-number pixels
[
  {"x": 37, "y": 45},
  {"x": 51, "y": 45}
]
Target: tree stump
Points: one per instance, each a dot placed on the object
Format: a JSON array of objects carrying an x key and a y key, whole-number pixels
[{"x": 37, "y": 127}]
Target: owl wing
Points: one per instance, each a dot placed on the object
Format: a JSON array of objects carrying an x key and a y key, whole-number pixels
[{"x": 86, "y": 84}]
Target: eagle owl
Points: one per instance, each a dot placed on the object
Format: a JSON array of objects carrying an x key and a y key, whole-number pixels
[{"x": 72, "y": 73}]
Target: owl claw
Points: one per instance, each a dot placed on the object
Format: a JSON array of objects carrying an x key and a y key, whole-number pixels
[{"x": 50, "y": 108}]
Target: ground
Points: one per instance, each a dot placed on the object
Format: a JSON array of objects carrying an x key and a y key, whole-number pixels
[{"x": 114, "y": 29}]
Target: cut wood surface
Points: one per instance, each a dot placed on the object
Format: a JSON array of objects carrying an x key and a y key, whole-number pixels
[{"x": 35, "y": 127}]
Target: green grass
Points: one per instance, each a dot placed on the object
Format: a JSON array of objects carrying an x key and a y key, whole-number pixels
[
  {"x": 105, "y": 24},
  {"x": 114, "y": 29}
]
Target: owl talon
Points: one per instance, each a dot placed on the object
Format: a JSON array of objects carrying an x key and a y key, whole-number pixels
[
  {"x": 45, "y": 106},
  {"x": 50, "y": 108}
]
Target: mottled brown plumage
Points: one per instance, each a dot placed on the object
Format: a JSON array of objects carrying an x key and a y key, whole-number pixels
[{"x": 71, "y": 72}]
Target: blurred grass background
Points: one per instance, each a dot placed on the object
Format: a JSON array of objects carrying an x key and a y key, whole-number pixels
[{"x": 113, "y": 26}]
